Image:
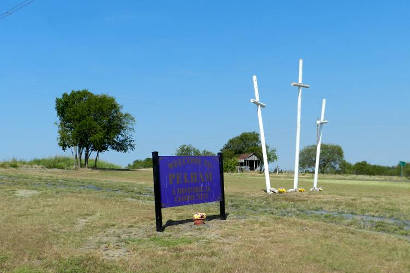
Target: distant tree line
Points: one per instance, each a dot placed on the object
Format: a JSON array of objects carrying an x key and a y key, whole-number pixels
[
  {"x": 331, "y": 157},
  {"x": 332, "y": 162},
  {"x": 141, "y": 164},
  {"x": 366, "y": 168},
  {"x": 247, "y": 142}
]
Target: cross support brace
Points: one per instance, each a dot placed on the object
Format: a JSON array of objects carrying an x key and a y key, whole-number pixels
[{"x": 258, "y": 103}]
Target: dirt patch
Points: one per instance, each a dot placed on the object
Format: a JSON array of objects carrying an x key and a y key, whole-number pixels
[
  {"x": 118, "y": 243},
  {"x": 26, "y": 193},
  {"x": 111, "y": 243}
]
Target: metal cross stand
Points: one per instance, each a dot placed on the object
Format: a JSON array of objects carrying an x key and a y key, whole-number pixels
[
  {"x": 262, "y": 133},
  {"x": 300, "y": 85},
  {"x": 319, "y": 124}
]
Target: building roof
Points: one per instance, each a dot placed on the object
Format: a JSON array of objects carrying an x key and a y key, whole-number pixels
[{"x": 244, "y": 156}]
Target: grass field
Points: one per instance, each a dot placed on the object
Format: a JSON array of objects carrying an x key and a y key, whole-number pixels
[{"x": 103, "y": 221}]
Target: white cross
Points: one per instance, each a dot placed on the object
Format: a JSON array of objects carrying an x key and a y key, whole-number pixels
[
  {"x": 319, "y": 124},
  {"x": 262, "y": 133},
  {"x": 300, "y": 85}
]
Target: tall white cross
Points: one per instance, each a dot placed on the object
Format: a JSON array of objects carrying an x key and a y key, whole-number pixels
[
  {"x": 300, "y": 85},
  {"x": 262, "y": 133},
  {"x": 319, "y": 124}
]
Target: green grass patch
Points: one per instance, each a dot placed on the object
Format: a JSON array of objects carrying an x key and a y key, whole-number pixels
[
  {"x": 170, "y": 242},
  {"x": 27, "y": 269},
  {"x": 81, "y": 264}
]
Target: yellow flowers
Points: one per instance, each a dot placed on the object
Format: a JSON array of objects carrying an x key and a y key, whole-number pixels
[
  {"x": 281, "y": 190},
  {"x": 199, "y": 216},
  {"x": 301, "y": 190}
]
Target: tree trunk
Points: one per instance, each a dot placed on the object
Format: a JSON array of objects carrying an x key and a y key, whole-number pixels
[
  {"x": 86, "y": 156},
  {"x": 96, "y": 158},
  {"x": 80, "y": 155},
  {"x": 78, "y": 158},
  {"x": 75, "y": 157}
]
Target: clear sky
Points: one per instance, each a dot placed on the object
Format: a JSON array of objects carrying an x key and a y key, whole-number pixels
[{"x": 184, "y": 70}]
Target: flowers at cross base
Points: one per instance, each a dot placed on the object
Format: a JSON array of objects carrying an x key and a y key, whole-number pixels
[
  {"x": 301, "y": 190},
  {"x": 281, "y": 190},
  {"x": 199, "y": 216}
]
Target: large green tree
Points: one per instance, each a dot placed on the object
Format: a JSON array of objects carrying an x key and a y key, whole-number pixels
[
  {"x": 331, "y": 158},
  {"x": 90, "y": 123},
  {"x": 247, "y": 142}
]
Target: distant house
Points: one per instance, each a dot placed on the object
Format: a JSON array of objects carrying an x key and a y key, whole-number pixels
[{"x": 248, "y": 162}]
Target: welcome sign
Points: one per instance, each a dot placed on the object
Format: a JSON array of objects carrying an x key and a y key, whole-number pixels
[{"x": 187, "y": 180}]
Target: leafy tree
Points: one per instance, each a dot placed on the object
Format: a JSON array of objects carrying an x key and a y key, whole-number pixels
[
  {"x": 346, "y": 167},
  {"x": 140, "y": 164},
  {"x": 189, "y": 150},
  {"x": 361, "y": 167},
  {"x": 242, "y": 144},
  {"x": 331, "y": 157},
  {"x": 92, "y": 123},
  {"x": 247, "y": 142},
  {"x": 208, "y": 153}
]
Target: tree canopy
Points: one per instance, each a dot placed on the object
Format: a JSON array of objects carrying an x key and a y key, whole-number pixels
[
  {"x": 92, "y": 123},
  {"x": 331, "y": 158},
  {"x": 247, "y": 142},
  {"x": 189, "y": 150}
]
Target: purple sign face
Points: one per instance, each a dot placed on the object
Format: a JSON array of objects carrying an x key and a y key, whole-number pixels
[{"x": 187, "y": 180}]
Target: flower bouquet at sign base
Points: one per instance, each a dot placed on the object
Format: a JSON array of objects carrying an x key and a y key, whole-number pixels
[
  {"x": 199, "y": 218},
  {"x": 281, "y": 190},
  {"x": 301, "y": 190}
]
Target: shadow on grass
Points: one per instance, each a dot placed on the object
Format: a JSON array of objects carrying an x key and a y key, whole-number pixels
[
  {"x": 112, "y": 169},
  {"x": 185, "y": 221}
]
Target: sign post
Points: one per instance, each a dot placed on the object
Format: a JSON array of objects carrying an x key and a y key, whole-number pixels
[
  {"x": 262, "y": 133},
  {"x": 157, "y": 191},
  {"x": 319, "y": 124},
  {"x": 222, "y": 212},
  {"x": 300, "y": 85},
  {"x": 402, "y": 165},
  {"x": 187, "y": 180}
]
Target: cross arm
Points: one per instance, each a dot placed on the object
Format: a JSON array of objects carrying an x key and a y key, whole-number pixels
[
  {"x": 300, "y": 84},
  {"x": 258, "y": 103},
  {"x": 321, "y": 121}
]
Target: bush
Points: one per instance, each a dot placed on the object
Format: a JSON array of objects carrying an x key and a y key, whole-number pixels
[
  {"x": 141, "y": 164},
  {"x": 230, "y": 165}
]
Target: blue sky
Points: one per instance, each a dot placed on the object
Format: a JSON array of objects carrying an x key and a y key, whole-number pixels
[{"x": 184, "y": 70}]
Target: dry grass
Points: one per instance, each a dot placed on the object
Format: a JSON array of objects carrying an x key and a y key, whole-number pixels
[{"x": 103, "y": 221}]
